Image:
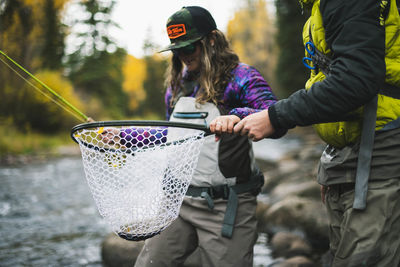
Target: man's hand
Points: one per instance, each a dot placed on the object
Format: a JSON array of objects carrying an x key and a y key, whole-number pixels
[
  {"x": 256, "y": 126},
  {"x": 223, "y": 124}
]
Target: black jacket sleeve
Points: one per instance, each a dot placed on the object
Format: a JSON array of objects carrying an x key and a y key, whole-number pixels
[{"x": 357, "y": 40}]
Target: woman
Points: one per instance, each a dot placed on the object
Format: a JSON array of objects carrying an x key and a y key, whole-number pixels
[{"x": 206, "y": 80}]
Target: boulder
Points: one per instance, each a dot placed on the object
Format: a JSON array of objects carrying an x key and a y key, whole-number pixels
[
  {"x": 118, "y": 252},
  {"x": 308, "y": 189},
  {"x": 298, "y": 261},
  {"x": 287, "y": 244},
  {"x": 299, "y": 213}
]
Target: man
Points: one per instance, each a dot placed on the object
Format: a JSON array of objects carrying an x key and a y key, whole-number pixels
[{"x": 352, "y": 100}]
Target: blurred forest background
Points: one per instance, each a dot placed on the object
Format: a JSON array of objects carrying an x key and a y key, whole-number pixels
[{"x": 106, "y": 83}]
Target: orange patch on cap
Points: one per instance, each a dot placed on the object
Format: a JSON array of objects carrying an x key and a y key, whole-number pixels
[{"x": 175, "y": 31}]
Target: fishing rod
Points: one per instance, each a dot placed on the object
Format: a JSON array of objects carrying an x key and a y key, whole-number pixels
[{"x": 73, "y": 110}]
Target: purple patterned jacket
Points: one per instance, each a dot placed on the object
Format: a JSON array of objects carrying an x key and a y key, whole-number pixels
[{"x": 247, "y": 93}]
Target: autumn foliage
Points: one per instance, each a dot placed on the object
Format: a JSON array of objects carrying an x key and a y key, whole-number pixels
[{"x": 100, "y": 78}]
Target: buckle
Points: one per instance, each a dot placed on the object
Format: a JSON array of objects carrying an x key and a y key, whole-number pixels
[{"x": 221, "y": 191}]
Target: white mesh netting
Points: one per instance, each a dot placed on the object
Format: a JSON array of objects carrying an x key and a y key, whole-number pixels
[{"x": 139, "y": 175}]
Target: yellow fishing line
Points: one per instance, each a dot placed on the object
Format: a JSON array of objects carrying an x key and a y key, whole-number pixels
[{"x": 81, "y": 117}]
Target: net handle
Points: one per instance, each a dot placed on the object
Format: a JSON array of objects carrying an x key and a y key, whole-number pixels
[{"x": 194, "y": 126}]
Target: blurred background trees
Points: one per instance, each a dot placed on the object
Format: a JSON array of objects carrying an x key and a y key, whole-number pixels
[
  {"x": 32, "y": 33},
  {"x": 95, "y": 65},
  {"x": 290, "y": 71},
  {"x": 252, "y": 36},
  {"x": 82, "y": 62}
]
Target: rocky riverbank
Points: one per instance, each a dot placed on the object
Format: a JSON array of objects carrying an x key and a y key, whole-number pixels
[{"x": 289, "y": 211}]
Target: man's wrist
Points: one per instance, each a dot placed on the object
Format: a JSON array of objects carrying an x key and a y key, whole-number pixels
[{"x": 273, "y": 117}]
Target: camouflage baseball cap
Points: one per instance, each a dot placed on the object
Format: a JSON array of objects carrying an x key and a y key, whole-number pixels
[{"x": 188, "y": 25}]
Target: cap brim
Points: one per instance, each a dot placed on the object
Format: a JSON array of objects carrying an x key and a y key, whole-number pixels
[{"x": 180, "y": 44}]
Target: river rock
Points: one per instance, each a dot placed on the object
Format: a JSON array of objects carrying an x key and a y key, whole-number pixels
[
  {"x": 307, "y": 189},
  {"x": 287, "y": 245},
  {"x": 118, "y": 252},
  {"x": 261, "y": 209},
  {"x": 298, "y": 261},
  {"x": 289, "y": 171},
  {"x": 299, "y": 213}
]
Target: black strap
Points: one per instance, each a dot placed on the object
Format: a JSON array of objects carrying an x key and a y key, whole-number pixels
[
  {"x": 222, "y": 191},
  {"x": 230, "y": 214},
  {"x": 230, "y": 193},
  {"x": 365, "y": 154}
]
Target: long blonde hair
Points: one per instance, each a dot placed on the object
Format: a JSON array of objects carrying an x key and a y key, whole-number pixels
[{"x": 217, "y": 62}]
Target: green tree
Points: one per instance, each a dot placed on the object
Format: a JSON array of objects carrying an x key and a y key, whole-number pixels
[
  {"x": 54, "y": 33},
  {"x": 95, "y": 67},
  {"x": 290, "y": 71},
  {"x": 153, "y": 84},
  {"x": 15, "y": 27},
  {"x": 31, "y": 33}
]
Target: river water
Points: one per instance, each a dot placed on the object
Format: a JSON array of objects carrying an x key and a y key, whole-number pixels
[{"x": 48, "y": 216}]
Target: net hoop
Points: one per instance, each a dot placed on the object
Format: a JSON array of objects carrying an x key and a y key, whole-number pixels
[
  {"x": 139, "y": 171},
  {"x": 78, "y": 127}
]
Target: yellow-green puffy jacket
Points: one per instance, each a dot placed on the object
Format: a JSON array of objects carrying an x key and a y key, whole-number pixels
[
  {"x": 342, "y": 133},
  {"x": 362, "y": 40}
]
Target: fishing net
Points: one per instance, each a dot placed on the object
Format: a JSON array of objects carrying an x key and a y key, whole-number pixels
[{"x": 139, "y": 172}]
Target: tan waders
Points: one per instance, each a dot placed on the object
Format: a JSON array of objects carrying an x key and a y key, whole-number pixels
[
  {"x": 199, "y": 226},
  {"x": 370, "y": 237}
]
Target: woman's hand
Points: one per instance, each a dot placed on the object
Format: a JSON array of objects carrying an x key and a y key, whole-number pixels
[
  {"x": 223, "y": 124},
  {"x": 109, "y": 136}
]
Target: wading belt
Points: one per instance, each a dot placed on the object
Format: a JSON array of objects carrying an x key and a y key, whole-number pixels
[{"x": 229, "y": 193}]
